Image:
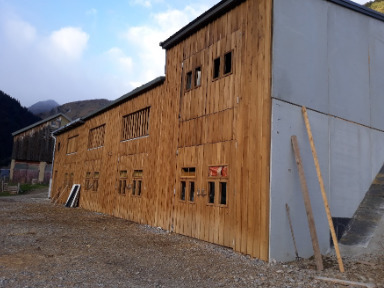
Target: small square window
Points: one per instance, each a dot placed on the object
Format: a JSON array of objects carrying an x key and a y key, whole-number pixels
[
  {"x": 197, "y": 76},
  {"x": 216, "y": 68},
  {"x": 228, "y": 62},
  {"x": 188, "y": 81}
]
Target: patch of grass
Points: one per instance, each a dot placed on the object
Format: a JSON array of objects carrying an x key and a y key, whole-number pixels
[
  {"x": 5, "y": 194},
  {"x": 29, "y": 187}
]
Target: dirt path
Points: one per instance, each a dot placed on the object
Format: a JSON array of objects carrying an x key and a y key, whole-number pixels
[{"x": 46, "y": 245}]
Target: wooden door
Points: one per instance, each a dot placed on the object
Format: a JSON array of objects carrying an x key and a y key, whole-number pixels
[{"x": 203, "y": 193}]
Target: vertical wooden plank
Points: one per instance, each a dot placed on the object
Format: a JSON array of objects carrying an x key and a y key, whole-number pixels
[
  {"x": 308, "y": 206},
  {"x": 323, "y": 193}
]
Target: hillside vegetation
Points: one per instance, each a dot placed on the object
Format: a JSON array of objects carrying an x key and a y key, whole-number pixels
[
  {"x": 377, "y": 5},
  {"x": 76, "y": 109},
  {"x": 13, "y": 117}
]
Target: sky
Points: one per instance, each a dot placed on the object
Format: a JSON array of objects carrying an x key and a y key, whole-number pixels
[{"x": 70, "y": 50}]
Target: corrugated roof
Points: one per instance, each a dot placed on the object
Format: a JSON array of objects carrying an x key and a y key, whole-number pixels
[
  {"x": 40, "y": 122},
  {"x": 134, "y": 93}
]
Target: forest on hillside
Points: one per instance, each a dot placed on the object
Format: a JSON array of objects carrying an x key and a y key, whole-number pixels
[
  {"x": 13, "y": 117},
  {"x": 377, "y": 5}
]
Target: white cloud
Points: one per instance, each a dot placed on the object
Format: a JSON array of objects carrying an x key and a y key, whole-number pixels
[
  {"x": 19, "y": 32},
  {"x": 145, "y": 39},
  {"x": 69, "y": 42},
  {"x": 145, "y": 3},
  {"x": 91, "y": 12},
  {"x": 116, "y": 55}
]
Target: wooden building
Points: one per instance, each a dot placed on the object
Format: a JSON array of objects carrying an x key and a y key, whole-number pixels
[
  {"x": 205, "y": 151},
  {"x": 32, "y": 151}
]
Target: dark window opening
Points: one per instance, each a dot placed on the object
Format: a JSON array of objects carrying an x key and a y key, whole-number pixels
[
  {"x": 191, "y": 191},
  {"x": 188, "y": 81},
  {"x": 216, "y": 68},
  {"x": 182, "y": 192},
  {"x": 139, "y": 188},
  {"x": 211, "y": 192},
  {"x": 188, "y": 172},
  {"x": 134, "y": 187},
  {"x": 228, "y": 63},
  {"x": 223, "y": 193},
  {"x": 58, "y": 146},
  {"x": 197, "y": 76},
  {"x": 95, "y": 185}
]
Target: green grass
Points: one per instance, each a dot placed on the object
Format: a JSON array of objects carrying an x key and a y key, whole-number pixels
[
  {"x": 25, "y": 188},
  {"x": 29, "y": 187}
]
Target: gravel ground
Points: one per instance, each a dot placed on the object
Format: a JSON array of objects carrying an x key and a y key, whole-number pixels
[{"x": 47, "y": 245}]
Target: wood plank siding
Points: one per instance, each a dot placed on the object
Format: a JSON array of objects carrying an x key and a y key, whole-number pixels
[{"x": 190, "y": 155}]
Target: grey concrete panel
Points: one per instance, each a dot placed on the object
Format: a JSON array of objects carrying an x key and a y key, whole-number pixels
[
  {"x": 377, "y": 152},
  {"x": 350, "y": 166},
  {"x": 300, "y": 72},
  {"x": 287, "y": 120},
  {"x": 376, "y": 52},
  {"x": 348, "y": 61},
  {"x": 350, "y": 156}
]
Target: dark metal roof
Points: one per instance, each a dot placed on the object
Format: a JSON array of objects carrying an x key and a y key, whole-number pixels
[
  {"x": 210, "y": 15},
  {"x": 226, "y": 5},
  {"x": 40, "y": 122},
  {"x": 134, "y": 93},
  {"x": 359, "y": 8}
]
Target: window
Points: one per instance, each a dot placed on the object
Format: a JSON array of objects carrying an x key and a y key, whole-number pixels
[
  {"x": 95, "y": 185},
  {"x": 193, "y": 78},
  {"x": 197, "y": 77},
  {"x": 136, "y": 124},
  {"x": 96, "y": 137},
  {"x": 58, "y": 146},
  {"x": 191, "y": 191},
  {"x": 187, "y": 184},
  {"x": 183, "y": 190},
  {"x": 72, "y": 145},
  {"x": 87, "y": 184},
  {"x": 188, "y": 81},
  {"x": 216, "y": 68},
  {"x": 123, "y": 182},
  {"x": 228, "y": 63},
  {"x": 137, "y": 182},
  {"x": 218, "y": 179},
  {"x": 223, "y": 193},
  {"x": 211, "y": 192}
]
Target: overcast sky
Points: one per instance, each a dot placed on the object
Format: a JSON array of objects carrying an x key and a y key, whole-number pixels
[{"x": 69, "y": 50}]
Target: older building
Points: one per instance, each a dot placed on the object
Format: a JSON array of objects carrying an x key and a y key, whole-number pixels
[
  {"x": 206, "y": 150},
  {"x": 32, "y": 152}
]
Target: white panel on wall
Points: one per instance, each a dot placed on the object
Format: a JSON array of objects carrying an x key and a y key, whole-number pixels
[
  {"x": 348, "y": 61},
  {"x": 287, "y": 120},
  {"x": 300, "y": 72},
  {"x": 350, "y": 161},
  {"x": 376, "y": 87}
]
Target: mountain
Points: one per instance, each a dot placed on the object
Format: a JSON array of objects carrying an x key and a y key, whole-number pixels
[
  {"x": 77, "y": 109},
  {"x": 13, "y": 117},
  {"x": 43, "y": 106},
  {"x": 377, "y": 5}
]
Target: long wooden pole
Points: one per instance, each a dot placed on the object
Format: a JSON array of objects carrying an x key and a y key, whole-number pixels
[
  {"x": 308, "y": 207},
  {"x": 321, "y": 182}
]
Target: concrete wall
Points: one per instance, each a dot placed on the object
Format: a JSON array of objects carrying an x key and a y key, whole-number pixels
[{"x": 325, "y": 57}]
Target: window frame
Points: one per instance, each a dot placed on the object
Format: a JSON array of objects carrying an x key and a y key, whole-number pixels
[
  {"x": 187, "y": 176},
  {"x": 130, "y": 129}
]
